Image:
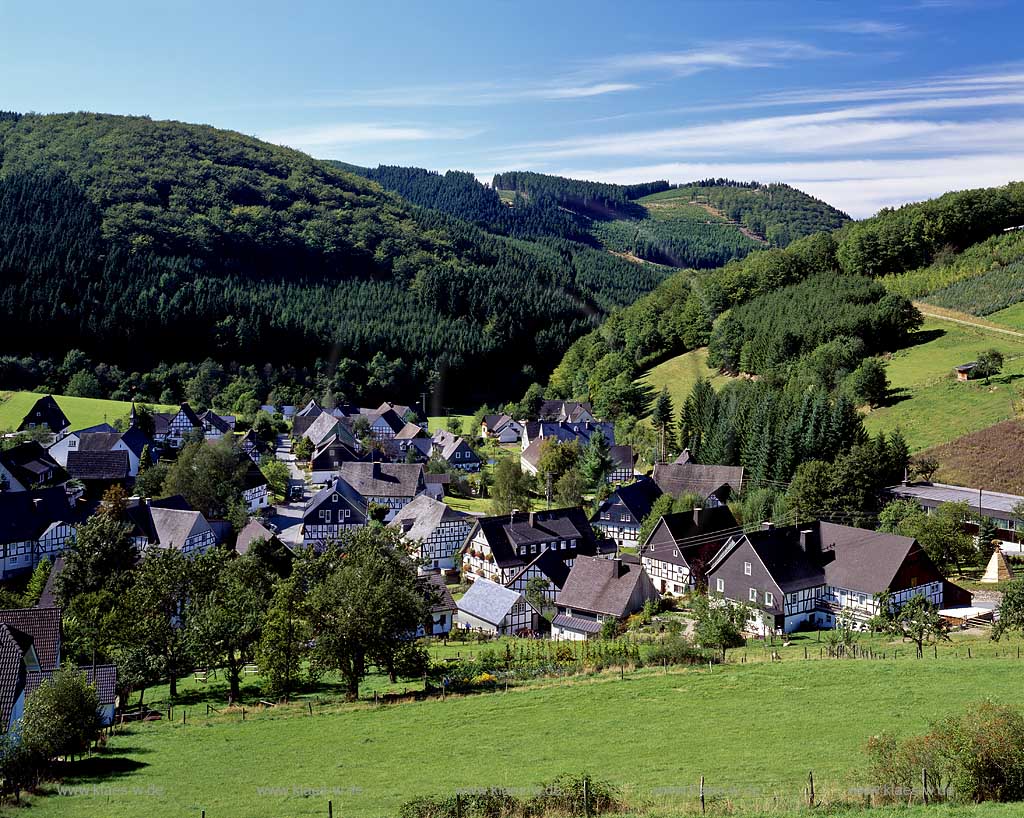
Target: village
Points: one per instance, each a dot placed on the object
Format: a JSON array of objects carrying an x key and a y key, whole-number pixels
[{"x": 577, "y": 572}]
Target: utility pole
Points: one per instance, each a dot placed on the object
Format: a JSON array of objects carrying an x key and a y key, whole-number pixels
[{"x": 550, "y": 484}]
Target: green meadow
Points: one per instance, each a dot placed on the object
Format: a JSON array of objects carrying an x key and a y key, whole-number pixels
[
  {"x": 928, "y": 404},
  {"x": 753, "y": 728},
  {"x": 82, "y": 412}
]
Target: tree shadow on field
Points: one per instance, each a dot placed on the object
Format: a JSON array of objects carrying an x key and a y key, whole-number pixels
[
  {"x": 922, "y": 336},
  {"x": 895, "y": 396}
]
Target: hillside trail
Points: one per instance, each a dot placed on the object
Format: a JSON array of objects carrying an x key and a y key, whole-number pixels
[
  {"x": 930, "y": 313},
  {"x": 714, "y": 211}
]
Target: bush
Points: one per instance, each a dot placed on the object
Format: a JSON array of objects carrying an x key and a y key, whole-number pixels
[
  {"x": 675, "y": 649},
  {"x": 578, "y": 794},
  {"x": 976, "y": 757}
]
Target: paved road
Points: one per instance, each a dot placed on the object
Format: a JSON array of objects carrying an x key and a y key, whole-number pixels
[{"x": 288, "y": 516}]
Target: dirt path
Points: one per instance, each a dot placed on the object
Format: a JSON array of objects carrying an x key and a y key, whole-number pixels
[
  {"x": 714, "y": 211},
  {"x": 929, "y": 311}
]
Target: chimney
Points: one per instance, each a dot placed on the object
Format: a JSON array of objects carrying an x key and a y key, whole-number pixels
[
  {"x": 808, "y": 541},
  {"x": 767, "y": 525},
  {"x": 697, "y": 515},
  {"x": 533, "y": 518},
  {"x": 36, "y": 503},
  {"x": 617, "y": 562}
]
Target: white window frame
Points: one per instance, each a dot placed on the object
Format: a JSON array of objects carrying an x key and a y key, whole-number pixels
[
  {"x": 769, "y": 598},
  {"x": 752, "y": 596},
  {"x": 720, "y": 585},
  {"x": 746, "y": 569}
]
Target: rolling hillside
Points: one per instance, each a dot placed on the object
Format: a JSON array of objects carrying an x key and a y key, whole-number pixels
[{"x": 142, "y": 241}]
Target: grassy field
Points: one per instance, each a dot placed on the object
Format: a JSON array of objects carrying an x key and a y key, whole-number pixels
[
  {"x": 680, "y": 373},
  {"x": 441, "y": 422},
  {"x": 81, "y": 412},
  {"x": 753, "y": 729},
  {"x": 930, "y": 407},
  {"x": 1012, "y": 317}
]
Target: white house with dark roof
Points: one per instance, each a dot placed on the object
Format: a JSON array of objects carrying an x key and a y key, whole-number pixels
[
  {"x": 58, "y": 450},
  {"x": 492, "y": 608},
  {"x": 679, "y": 547},
  {"x": 393, "y": 485},
  {"x": 810, "y": 574},
  {"x": 28, "y": 465},
  {"x": 620, "y": 515},
  {"x": 455, "y": 451},
  {"x": 502, "y": 428},
  {"x": 442, "y": 606},
  {"x": 512, "y": 549},
  {"x": 17, "y": 660},
  {"x": 331, "y": 512},
  {"x": 716, "y": 484},
  {"x": 596, "y": 590},
  {"x": 436, "y": 530}
]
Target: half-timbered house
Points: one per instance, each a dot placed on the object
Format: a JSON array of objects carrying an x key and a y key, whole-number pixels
[
  {"x": 492, "y": 608},
  {"x": 597, "y": 590},
  {"x": 436, "y": 530},
  {"x": 332, "y": 511},
  {"x": 620, "y": 515},
  {"x": 679, "y": 547}
]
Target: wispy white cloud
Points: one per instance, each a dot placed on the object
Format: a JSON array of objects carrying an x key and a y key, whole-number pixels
[
  {"x": 319, "y": 137},
  {"x": 876, "y": 28}
]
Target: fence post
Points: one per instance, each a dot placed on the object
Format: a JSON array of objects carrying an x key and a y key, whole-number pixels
[
  {"x": 810, "y": 788},
  {"x": 458, "y": 805},
  {"x": 243, "y": 714},
  {"x": 702, "y": 808},
  {"x": 936, "y": 651},
  {"x": 310, "y": 706},
  {"x": 184, "y": 713},
  {"x": 924, "y": 784},
  {"x": 586, "y": 797},
  {"x": 968, "y": 651},
  {"x": 330, "y": 809}
]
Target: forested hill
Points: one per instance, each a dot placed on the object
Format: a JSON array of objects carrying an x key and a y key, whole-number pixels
[
  {"x": 698, "y": 225},
  {"x": 763, "y": 313},
  {"x": 139, "y": 240}
]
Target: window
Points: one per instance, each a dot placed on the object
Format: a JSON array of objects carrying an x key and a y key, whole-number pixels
[
  {"x": 720, "y": 585},
  {"x": 606, "y": 515},
  {"x": 572, "y": 543},
  {"x": 533, "y": 548},
  {"x": 321, "y": 514},
  {"x": 458, "y": 455},
  {"x": 522, "y": 550},
  {"x": 753, "y": 595},
  {"x": 625, "y": 518},
  {"x": 746, "y": 568},
  {"x": 327, "y": 516},
  {"x": 334, "y": 498},
  {"x": 769, "y": 598},
  {"x": 348, "y": 512}
]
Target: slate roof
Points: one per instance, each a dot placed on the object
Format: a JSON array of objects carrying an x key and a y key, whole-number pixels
[
  {"x": 601, "y": 585},
  {"x": 623, "y": 457},
  {"x": 410, "y": 431},
  {"x": 994, "y": 503},
  {"x": 419, "y": 519},
  {"x": 254, "y": 478},
  {"x": 699, "y": 527},
  {"x": 172, "y": 527},
  {"x": 45, "y": 411},
  {"x": 311, "y": 409},
  {"x": 332, "y": 453},
  {"x": 355, "y": 499},
  {"x": 862, "y": 560},
  {"x": 677, "y": 479},
  {"x": 98, "y": 465},
  {"x": 488, "y": 601},
  {"x": 29, "y": 462},
  {"x": 505, "y": 533},
  {"x": 24, "y": 515},
  {"x": 449, "y": 444},
  {"x": 98, "y": 441},
  {"x": 390, "y": 417},
  {"x": 254, "y": 530},
  {"x": 220, "y": 423},
  {"x": 323, "y": 426},
  {"x": 43, "y": 626},
  {"x": 105, "y": 680},
  {"x": 576, "y": 623},
  {"x": 383, "y": 479},
  {"x": 563, "y": 409},
  {"x": 136, "y": 440},
  {"x": 13, "y": 646},
  {"x": 637, "y": 497},
  {"x": 439, "y": 597}
]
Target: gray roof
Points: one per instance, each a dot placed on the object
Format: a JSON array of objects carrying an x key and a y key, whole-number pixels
[
  {"x": 43, "y": 626},
  {"x": 383, "y": 479},
  {"x": 506, "y": 532},
  {"x": 14, "y": 644},
  {"x": 439, "y": 597},
  {"x": 99, "y": 465},
  {"x": 488, "y": 601},
  {"x": 322, "y": 428},
  {"x": 602, "y": 586},
  {"x": 174, "y": 526},
  {"x": 576, "y": 623},
  {"x": 423, "y": 515},
  {"x": 105, "y": 681},
  {"x": 254, "y": 530},
  {"x": 98, "y": 441},
  {"x": 863, "y": 560},
  {"x": 692, "y": 478},
  {"x": 994, "y": 503}
]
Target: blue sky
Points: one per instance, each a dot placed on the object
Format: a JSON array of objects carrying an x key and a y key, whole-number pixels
[{"x": 863, "y": 104}]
